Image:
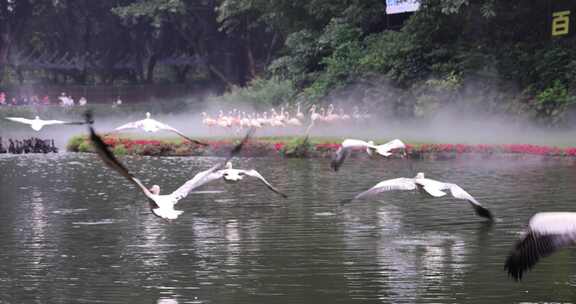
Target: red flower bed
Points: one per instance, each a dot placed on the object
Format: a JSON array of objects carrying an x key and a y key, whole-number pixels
[
  {"x": 265, "y": 148},
  {"x": 570, "y": 151}
]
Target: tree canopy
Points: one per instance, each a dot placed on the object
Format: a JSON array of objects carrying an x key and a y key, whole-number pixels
[{"x": 317, "y": 46}]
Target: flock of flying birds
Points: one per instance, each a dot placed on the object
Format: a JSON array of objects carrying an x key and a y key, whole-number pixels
[{"x": 546, "y": 233}]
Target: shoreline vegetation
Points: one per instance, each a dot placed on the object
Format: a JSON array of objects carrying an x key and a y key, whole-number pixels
[
  {"x": 488, "y": 58},
  {"x": 317, "y": 147}
]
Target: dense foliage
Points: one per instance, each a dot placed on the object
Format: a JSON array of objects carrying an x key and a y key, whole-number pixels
[{"x": 495, "y": 56}]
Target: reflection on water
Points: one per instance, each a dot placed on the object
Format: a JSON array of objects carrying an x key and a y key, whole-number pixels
[
  {"x": 74, "y": 232},
  {"x": 167, "y": 301}
]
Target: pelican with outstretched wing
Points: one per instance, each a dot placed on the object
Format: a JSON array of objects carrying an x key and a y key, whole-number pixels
[
  {"x": 37, "y": 124},
  {"x": 150, "y": 125},
  {"x": 231, "y": 175},
  {"x": 432, "y": 187},
  {"x": 160, "y": 205},
  {"x": 547, "y": 233},
  {"x": 349, "y": 144}
]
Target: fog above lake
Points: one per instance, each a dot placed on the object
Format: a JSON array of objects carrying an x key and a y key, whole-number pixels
[{"x": 463, "y": 121}]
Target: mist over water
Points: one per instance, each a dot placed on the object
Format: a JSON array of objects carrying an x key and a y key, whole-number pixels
[{"x": 444, "y": 126}]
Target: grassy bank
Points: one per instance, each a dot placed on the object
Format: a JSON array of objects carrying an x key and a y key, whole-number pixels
[{"x": 298, "y": 147}]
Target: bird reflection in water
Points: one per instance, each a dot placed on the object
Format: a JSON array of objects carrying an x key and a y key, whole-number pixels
[
  {"x": 167, "y": 301},
  {"x": 405, "y": 263},
  {"x": 154, "y": 243},
  {"x": 233, "y": 239},
  {"x": 38, "y": 226}
]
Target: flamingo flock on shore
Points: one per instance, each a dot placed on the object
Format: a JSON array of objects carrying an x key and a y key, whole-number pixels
[
  {"x": 283, "y": 118},
  {"x": 546, "y": 233}
]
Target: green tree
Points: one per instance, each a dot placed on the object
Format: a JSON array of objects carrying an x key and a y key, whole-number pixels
[{"x": 14, "y": 16}]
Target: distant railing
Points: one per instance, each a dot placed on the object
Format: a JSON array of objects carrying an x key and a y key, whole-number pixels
[{"x": 107, "y": 94}]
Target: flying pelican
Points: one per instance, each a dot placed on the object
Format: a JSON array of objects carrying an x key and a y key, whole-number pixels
[
  {"x": 547, "y": 232},
  {"x": 150, "y": 125},
  {"x": 37, "y": 124},
  {"x": 349, "y": 144},
  {"x": 160, "y": 205},
  {"x": 430, "y": 186},
  {"x": 231, "y": 175}
]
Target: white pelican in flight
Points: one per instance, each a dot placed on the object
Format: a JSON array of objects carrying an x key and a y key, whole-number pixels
[
  {"x": 547, "y": 232},
  {"x": 37, "y": 124},
  {"x": 160, "y": 205},
  {"x": 150, "y": 125},
  {"x": 231, "y": 175},
  {"x": 430, "y": 186},
  {"x": 349, "y": 144}
]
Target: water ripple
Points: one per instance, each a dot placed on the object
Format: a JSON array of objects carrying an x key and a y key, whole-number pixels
[{"x": 75, "y": 232}]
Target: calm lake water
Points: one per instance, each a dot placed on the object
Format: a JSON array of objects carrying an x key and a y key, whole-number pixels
[{"x": 73, "y": 231}]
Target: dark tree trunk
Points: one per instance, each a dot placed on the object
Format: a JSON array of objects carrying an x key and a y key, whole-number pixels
[
  {"x": 5, "y": 43},
  {"x": 150, "y": 68},
  {"x": 220, "y": 75},
  {"x": 249, "y": 57},
  {"x": 20, "y": 75},
  {"x": 250, "y": 61},
  {"x": 181, "y": 73},
  {"x": 271, "y": 48}
]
